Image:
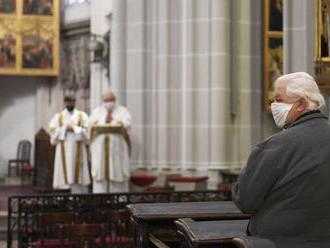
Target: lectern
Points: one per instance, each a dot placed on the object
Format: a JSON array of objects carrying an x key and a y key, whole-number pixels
[{"x": 43, "y": 161}]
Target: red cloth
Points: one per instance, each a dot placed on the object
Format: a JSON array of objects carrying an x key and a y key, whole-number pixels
[
  {"x": 114, "y": 240},
  {"x": 143, "y": 180},
  {"x": 27, "y": 168},
  {"x": 119, "y": 240},
  {"x": 53, "y": 243}
]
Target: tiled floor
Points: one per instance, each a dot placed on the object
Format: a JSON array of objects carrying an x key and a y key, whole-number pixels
[{"x": 12, "y": 186}]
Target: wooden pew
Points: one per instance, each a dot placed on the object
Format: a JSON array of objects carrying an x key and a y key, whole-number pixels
[
  {"x": 210, "y": 233},
  {"x": 282, "y": 242},
  {"x": 253, "y": 242},
  {"x": 232, "y": 234},
  {"x": 157, "y": 219}
]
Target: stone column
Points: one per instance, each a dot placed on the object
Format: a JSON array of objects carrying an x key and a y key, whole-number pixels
[
  {"x": 299, "y": 30},
  {"x": 118, "y": 49},
  {"x": 100, "y": 24}
]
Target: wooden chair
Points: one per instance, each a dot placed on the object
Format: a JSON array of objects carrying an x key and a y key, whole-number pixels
[
  {"x": 225, "y": 188},
  {"x": 82, "y": 235},
  {"x": 23, "y": 156},
  {"x": 48, "y": 228},
  {"x": 27, "y": 171}
]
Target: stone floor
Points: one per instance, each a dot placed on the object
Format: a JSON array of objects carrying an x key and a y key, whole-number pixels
[
  {"x": 10, "y": 181},
  {"x": 12, "y": 186}
]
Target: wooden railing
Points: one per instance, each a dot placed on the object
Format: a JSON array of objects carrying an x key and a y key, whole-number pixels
[{"x": 24, "y": 211}]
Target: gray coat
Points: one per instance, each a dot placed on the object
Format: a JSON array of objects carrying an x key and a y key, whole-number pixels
[{"x": 286, "y": 183}]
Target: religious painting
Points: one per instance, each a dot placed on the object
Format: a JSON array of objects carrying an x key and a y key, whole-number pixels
[
  {"x": 7, "y": 51},
  {"x": 323, "y": 30},
  {"x": 273, "y": 48},
  {"x": 276, "y": 15},
  {"x": 39, "y": 46},
  {"x": 8, "y": 45},
  {"x": 37, "y": 52},
  {"x": 275, "y": 63},
  {"x": 7, "y": 6},
  {"x": 29, "y": 39},
  {"x": 38, "y": 7}
]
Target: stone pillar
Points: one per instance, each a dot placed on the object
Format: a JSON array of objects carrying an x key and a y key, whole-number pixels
[
  {"x": 100, "y": 24},
  {"x": 299, "y": 34},
  {"x": 118, "y": 47}
]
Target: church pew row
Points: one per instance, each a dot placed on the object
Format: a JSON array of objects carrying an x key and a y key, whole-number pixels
[
  {"x": 232, "y": 234},
  {"x": 157, "y": 220},
  {"x": 24, "y": 211},
  {"x": 281, "y": 242}
]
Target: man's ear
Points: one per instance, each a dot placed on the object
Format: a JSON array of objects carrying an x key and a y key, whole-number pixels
[{"x": 302, "y": 105}]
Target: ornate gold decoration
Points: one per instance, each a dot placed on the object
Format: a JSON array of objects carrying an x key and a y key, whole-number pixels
[
  {"x": 273, "y": 48},
  {"x": 107, "y": 157},
  {"x": 79, "y": 145},
  {"x": 62, "y": 143},
  {"x": 322, "y": 45},
  {"x": 34, "y": 39}
]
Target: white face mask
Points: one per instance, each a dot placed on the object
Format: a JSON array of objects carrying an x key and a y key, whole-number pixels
[
  {"x": 109, "y": 105},
  {"x": 280, "y": 111}
]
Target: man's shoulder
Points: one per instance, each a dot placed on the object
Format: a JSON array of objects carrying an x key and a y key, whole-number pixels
[
  {"x": 97, "y": 109},
  {"x": 293, "y": 135},
  {"x": 81, "y": 112},
  {"x": 58, "y": 114},
  {"x": 281, "y": 137}
]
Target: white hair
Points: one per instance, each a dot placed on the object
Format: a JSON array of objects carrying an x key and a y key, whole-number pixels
[{"x": 302, "y": 85}]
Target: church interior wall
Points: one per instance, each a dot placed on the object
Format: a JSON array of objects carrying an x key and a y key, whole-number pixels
[
  {"x": 174, "y": 68},
  {"x": 18, "y": 118},
  {"x": 189, "y": 71},
  {"x": 75, "y": 13}
]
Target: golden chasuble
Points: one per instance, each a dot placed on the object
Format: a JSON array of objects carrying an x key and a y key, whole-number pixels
[
  {"x": 78, "y": 153},
  {"x": 60, "y": 121}
]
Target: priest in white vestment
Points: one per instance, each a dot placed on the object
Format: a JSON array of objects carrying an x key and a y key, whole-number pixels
[
  {"x": 68, "y": 130},
  {"x": 110, "y": 146}
]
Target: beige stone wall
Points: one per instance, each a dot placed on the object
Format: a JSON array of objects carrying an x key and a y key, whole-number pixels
[
  {"x": 182, "y": 67},
  {"x": 190, "y": 71}
]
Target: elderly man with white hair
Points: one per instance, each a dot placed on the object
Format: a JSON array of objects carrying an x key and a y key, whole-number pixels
[
  {"x": 285, "y": 185},
  {"x": 110, "y": 146}
]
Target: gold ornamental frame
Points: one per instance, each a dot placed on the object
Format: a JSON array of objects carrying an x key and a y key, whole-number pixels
[
  {"x": 269, "y": 35},
  {"x": 322, "y": 46},
  {"x": 318, "y": 33},
  {"x": 34, "y": 29}
]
